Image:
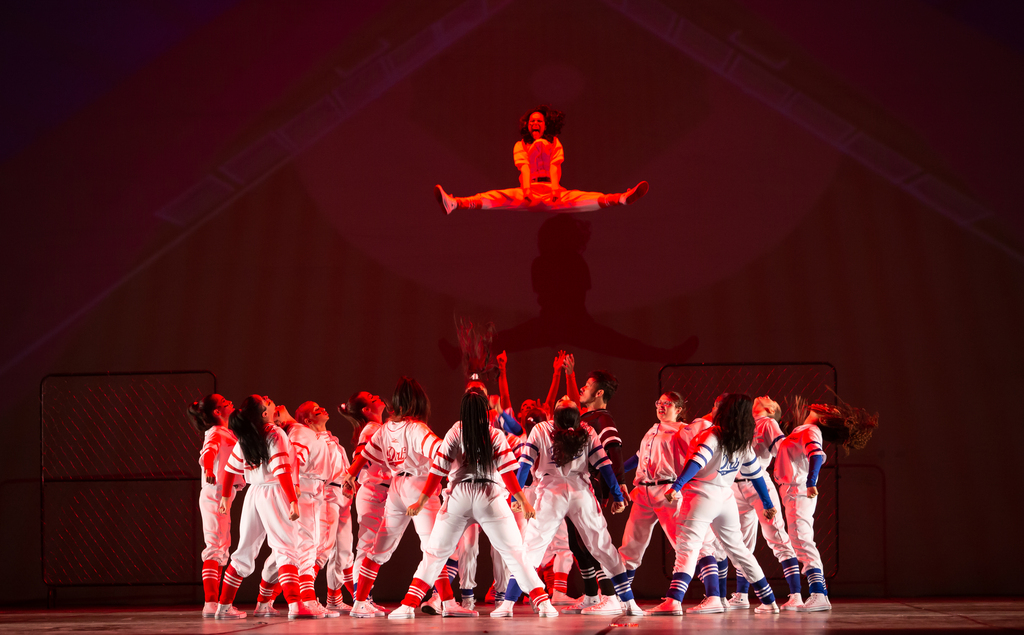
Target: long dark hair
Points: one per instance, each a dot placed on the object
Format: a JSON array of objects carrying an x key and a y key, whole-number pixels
[
  {"x": 410, "y": 401},
  {"x": 200, "y": 413},
  {"x": 247, "y": 424},
  {"x": 734, "y": 422},
  {"x": 568, "y": 437},
  {"x": 553, "y": 120},
  {"x": 476, "y": 431}
]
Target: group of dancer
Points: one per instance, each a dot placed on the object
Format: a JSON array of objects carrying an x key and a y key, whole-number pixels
[{"x": 559, "y": 462}]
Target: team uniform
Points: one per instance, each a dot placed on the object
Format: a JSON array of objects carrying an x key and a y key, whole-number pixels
[
  {"x": 475, "y": 496},
  {"x": 265, "y": 515},
  {"x": 374, "y": 482},
  {"x": 218, "y": 442},
  {"x": 541, "y": 155},
  {"x": 565, "y": 491},
  {"x": 405, "y": 450},
  {"x": 799, "y": 458},
  {"x": 707, "y": 501},
  {"x": 767, "y": 435},
  {"x": 336, "y": 524}
]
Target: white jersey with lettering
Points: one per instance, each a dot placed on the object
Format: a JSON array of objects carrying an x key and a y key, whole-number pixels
[
  {"x": 538, "y": 453},
  {"x": 795, "y": 451},
  {"x": 690, "y": 431},
  {"x": 403, "y": 447},
  {"x": 717, "y": 469}
]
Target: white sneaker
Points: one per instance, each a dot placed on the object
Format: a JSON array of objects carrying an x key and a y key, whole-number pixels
[
  {"x": 816, "y": 602},
  {"x": 608, "y": 605},
  {"x": 340, "y": 607},
  {"x": 451, "y": 608},
  {"x": 327, "y": 612},
  {"x": 710, "y": 604},
  {"x": 469, "y": 603},
  {"x": 546, "y": 609},
  {"x": 433, "y": 605},
  {"x": 304, "y": 611},
  {"x": 584, "y": 602},
  {"x": 632, "y": 608},
  {"x": 228, "y": 612},
  {"x": 403, "y": 612},
  {"x": 210, "y": 609},
  {"x": 737, "y": 601},
  {"x": 265, "y": 609},
  {"x": 446, "y": 202},
  {"x": 794, "y": 603},
  {"x": 379, "y": 611},
  {"x": 561, "y": 599},
  {"x": 504, "y": 609},
  {"x": 363, "y": 609},
  {"x": 767, "y": 608},
  {"x": 668, "y": 607}
]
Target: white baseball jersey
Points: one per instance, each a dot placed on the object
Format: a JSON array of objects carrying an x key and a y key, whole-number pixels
[
  {"x": 715, "y": 467},
  {"x": 312, "y": 459},
  {"x": 218, "y": 442},
  {"x": 450, "y": 459},
  {"x": 282, "y": 457},
  {"x": 373, "y": 473},
  {"x": 690, "y": 431},
  {"x": 337, "y": 465},
  {"x": 403, "y": 447},
  {"x": 793, "y": 460},
  {"x": 538, "y": 453},
  {"x": 662, "y": 454},
  {"x": 767, "y": 435}
]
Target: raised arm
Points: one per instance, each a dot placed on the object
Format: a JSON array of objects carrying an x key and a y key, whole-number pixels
[
  {"x": 555, "y": 381},
  {"x": 570, "y": 380},
  {"x": 506, "y": 399}
]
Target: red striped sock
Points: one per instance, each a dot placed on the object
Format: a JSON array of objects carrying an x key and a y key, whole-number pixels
[
  {"x": 444, "y": 587},
  {"x": 334, "y": 596},
  {"x": 211, "y": 580},
  {"x": 561, "y": 582},
  {"x": 548, "y": 575},
  {"x": 538, "y": 595},
  {"x": 346, "y": 576},
  {"x": 417, "y": 591},
  {"x": 316, "y": 570},
  {"x": 306, "y": 591},
  {"x": 367, "y": 574},
  {"x": 266, "y": 591},
  {"x": 276, "y": 592},
  {"x": 288, "y": 577},
  {"x": 231, "y": 583}
]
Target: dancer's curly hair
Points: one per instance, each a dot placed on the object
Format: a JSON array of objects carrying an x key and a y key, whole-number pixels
[
  {"x": 734, "y": 422},
  {"x": 845, "y": 425},
  {"x": 569, "y": 435},
  {"x": 553, "y": 120},
  {"x": 476, "y": 431},
  {"x": 247, "y": 424}
]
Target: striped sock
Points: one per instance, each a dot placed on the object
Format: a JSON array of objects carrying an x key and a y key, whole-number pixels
[
  {"x": 499, "y": 597},
  {"x": 452, "y": 567},
  {"x": 622, "y": 588},
  {"x": 742, "y": 585},
  {"x": 538, "y": 595},
  {"x": 632, "y": 574},
  {"x": 512, "y": 591},
  {"x": 230, "y": 586},
  {"x": 707, "y": 571},
  {"x": 211, "y": 580},
  {"x": 276, "y": 592},
  {"x": 306, "y": 590},
  {"x": 316, "y": 570},
  {"x": 561, "y": 582},
  {"x": 444, "y": 587},
  {"x": 589, "y": 580},
  {"x": 288, "y": 577},
  {"x": 816, "y": 581},
  {"x": 417, "y": 591},
  {"x": 466, "y": 593},
  {"x": 346, "y": 580},
  {"x": 791, "y": 569},
  {"x": 266, "y": 591},
  {"x": 367, "y": 574},
  {"x": 677, "y": 588},
  {"x": 764, "y": 591},
  {"x": 723, "y": 577},
  {"x": 334, "y": 596}
]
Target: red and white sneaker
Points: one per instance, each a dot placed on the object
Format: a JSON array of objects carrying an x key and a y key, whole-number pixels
[
  {"x": 737, "y": 601},
  {"x": 447, "y": 203},
  {"x": 710, "y": 604},
  {"x": 433, "y": 605},
  {"x": 210, "y": 609},
  {"x": 816, "y": 602},
  {"x": 585, "y": 602},
  {"x": 265, "y": 609},
  {"x": 328, "y": 612},
  {"x": 504, "y": 609},
  {"x": 546, "y": 609},
  {"x": 561, "y": 599},
  {"x": 380, "y": 611},
  {"x": 228, "y": 612},
  {"x": 304, "y": 611},
  {"x": 767, "y": 608},
  {"x": 632, "y": 608},
  {"x": 363, "y": 609},
  {"x": 403, "y": 612},
  {"x": 668, "y": 607},
  {"x": 609, "y": 605},
  {"x": 451, "y": 608},
  {"x": 340, "y": 607},
  {"x": 794, "y": 603}
]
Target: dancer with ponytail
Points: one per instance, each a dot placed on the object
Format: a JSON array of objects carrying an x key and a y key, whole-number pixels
[
  {"x": 265, "y": 457},
  {"x": 559, "y": 454},
  {"x": 405, "y": 447},
  {"x": 474, "y": 456},
  {"x": 717, "y": 456},
  {"x": 210, "y": 415}
]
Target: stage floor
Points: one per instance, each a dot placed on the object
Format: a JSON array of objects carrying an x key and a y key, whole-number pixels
[{"x": 947, "y": 615}]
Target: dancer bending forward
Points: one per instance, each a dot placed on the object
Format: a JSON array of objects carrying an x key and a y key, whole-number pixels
[
  {"x": 538, "y": 156},
  {"x": 472, "y": 456}
]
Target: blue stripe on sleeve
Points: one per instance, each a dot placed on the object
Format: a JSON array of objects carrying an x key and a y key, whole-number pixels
[
  {"x": 608, "y": 474},
  {"x": 777, "y": 439},
  {"x": 691, "y": 469}
]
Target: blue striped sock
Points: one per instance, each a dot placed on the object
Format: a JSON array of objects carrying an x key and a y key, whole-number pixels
[
  {"x": 723, "y": 576},
  {"x": 631, "y": 573},
  {"x": 742, "y": 585},
  {"x": 791, "y": 569},
  {"x": 816, "y": 581},
  {"x": 764, "y": 591},
  {"x": 707, "y": 571},
  {"x": 466, "y": 593},
  {"x": 452, "y": 568},
  {"x": 677, "y": 588},
  {"x": 512, "y": 591},
  {"x": 622, "y": 588}
]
